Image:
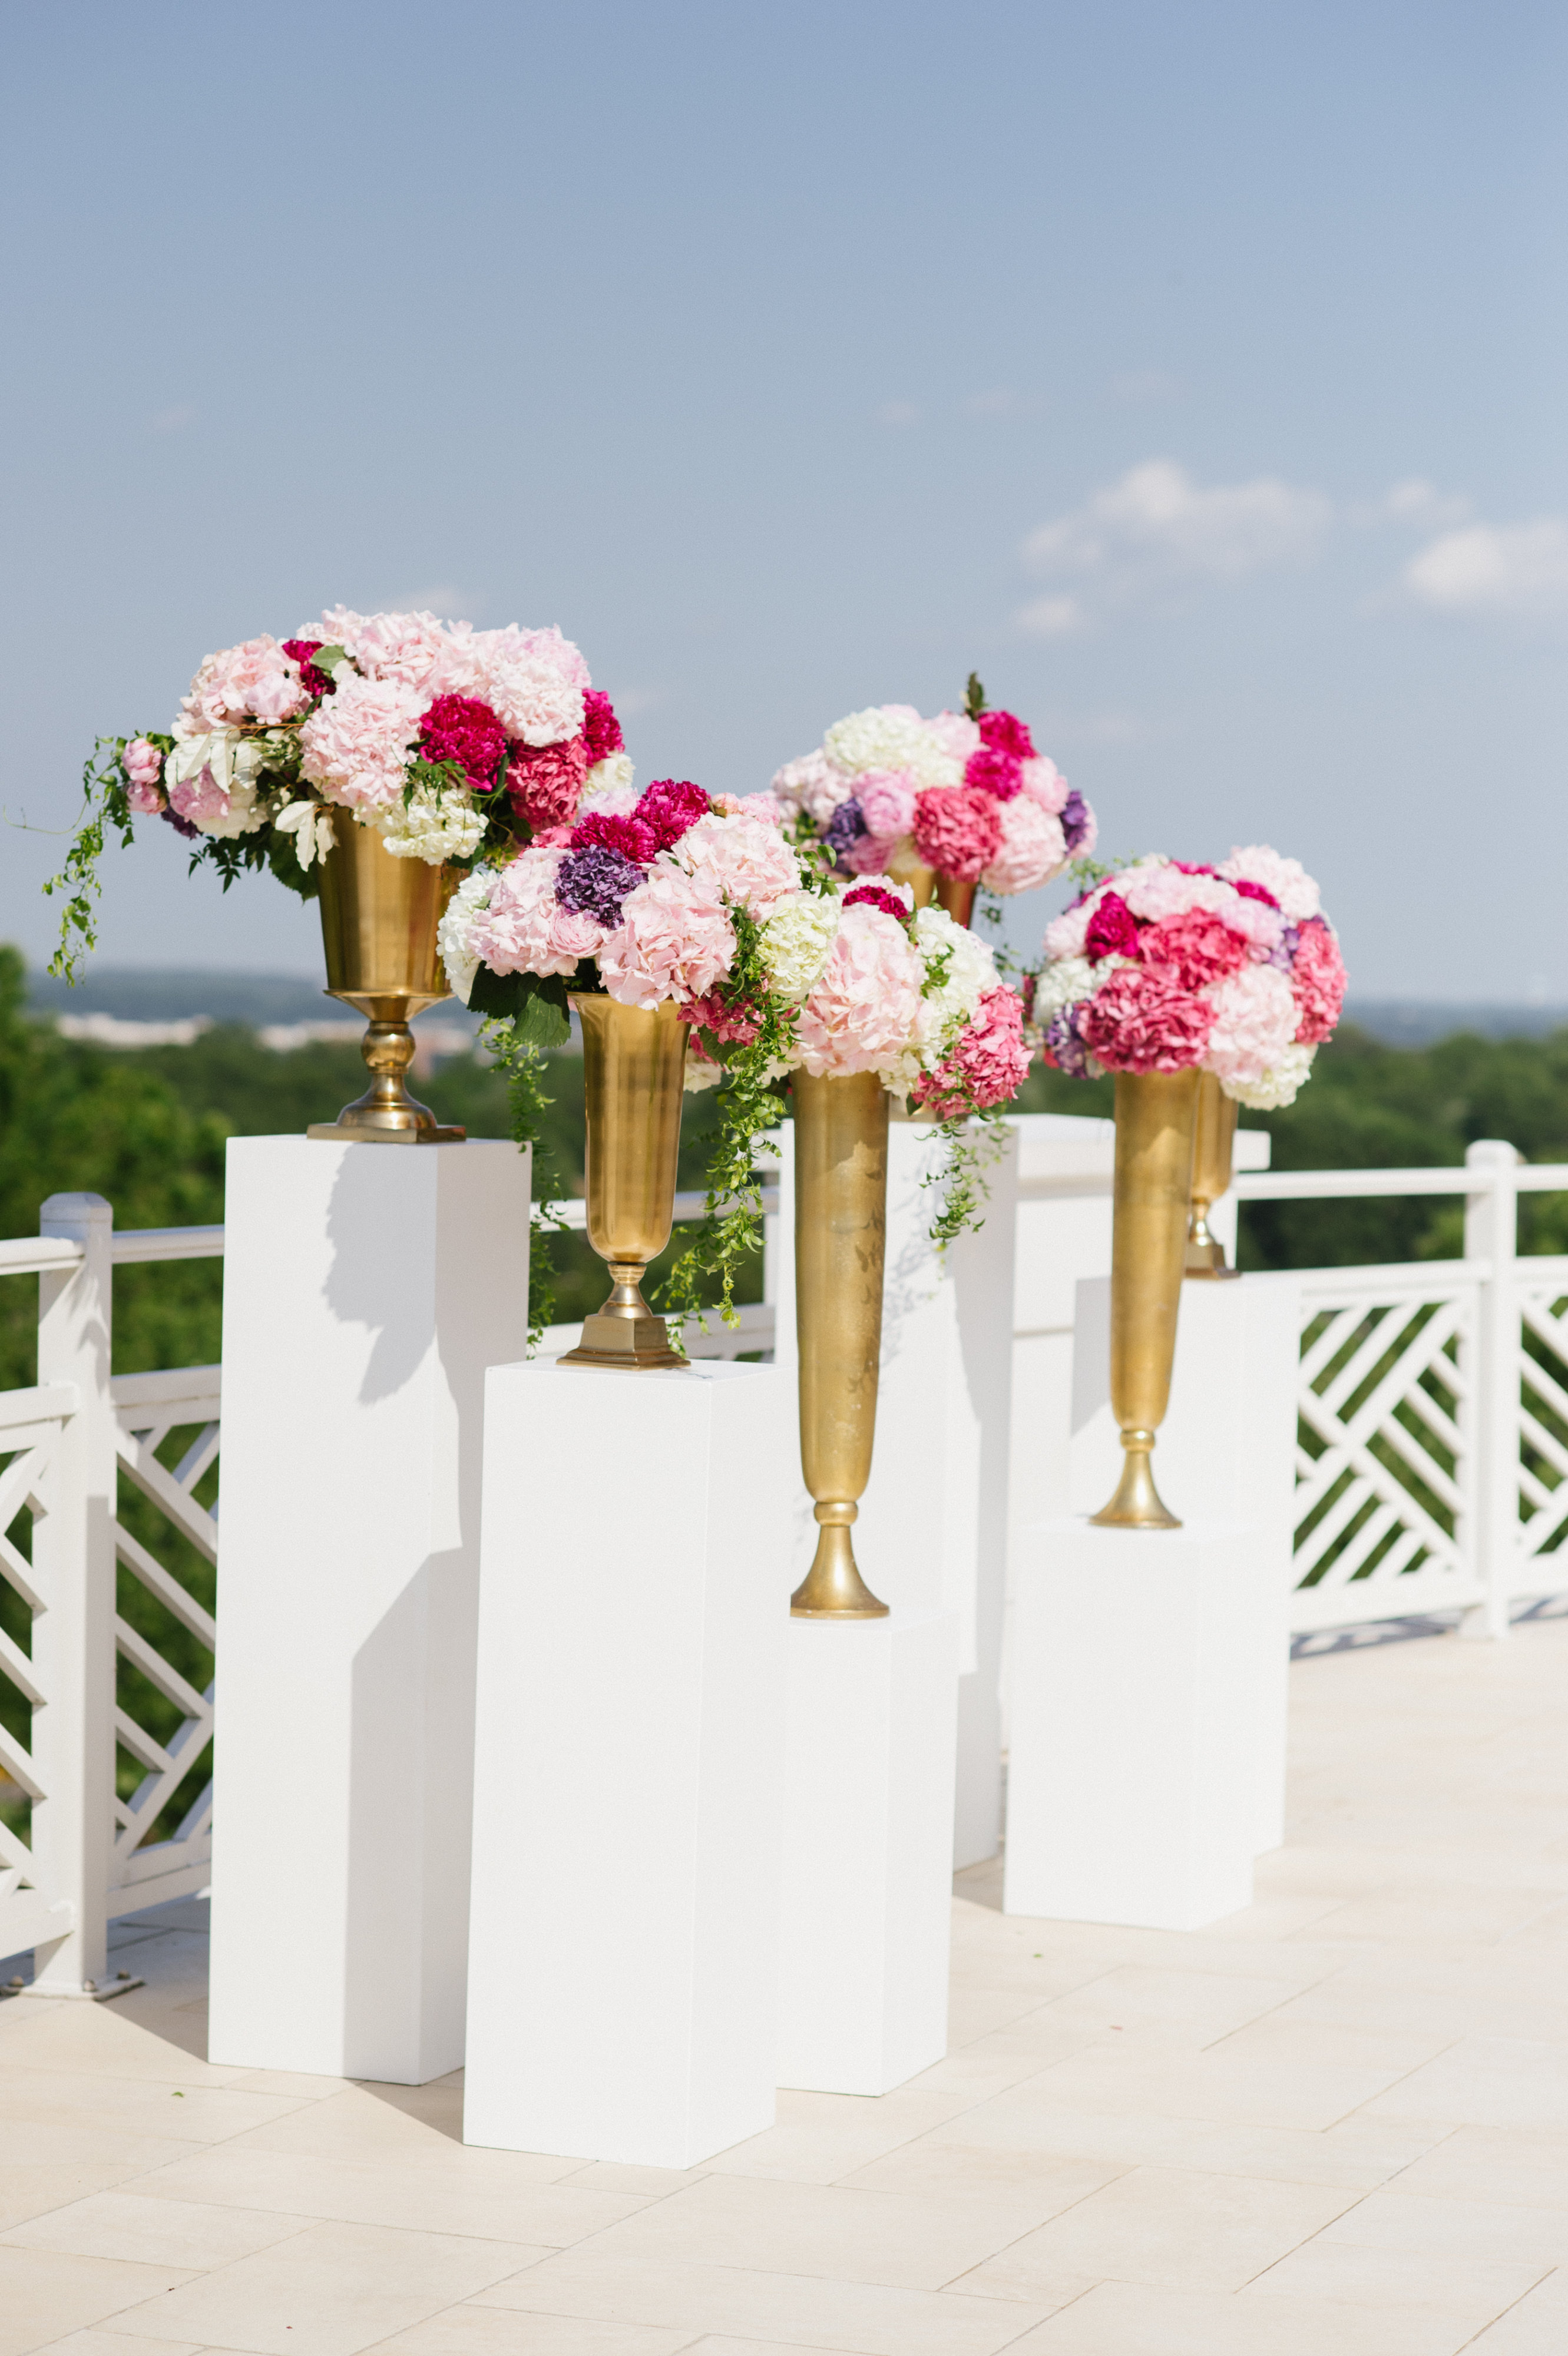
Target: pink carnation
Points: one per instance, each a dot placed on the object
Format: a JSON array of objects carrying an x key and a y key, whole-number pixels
[
  {"x": 1140, "y": 1021},
  {"x": 356, "y": 743},
  {"x": 958, "y": 830},
  {"x": 887, "y": 798},
  {"x": 458, "y": 728},
  {"x": 1254, "y": 1022},
  {"x": 1318, "y": 982},
  {"x": 1195, "y": 950},
  {"x": 1044, "y": 782},
  {"x": 673, "y": 941},
  {"x": 1032, "y": 847},
  {"x": 737, "y": 860},
  {"x": 865, "y": 1008},
  {"x": 525, "y": 930},
  {"x": 987, "y": 1064},
  {"x": 545, "y": 780}
]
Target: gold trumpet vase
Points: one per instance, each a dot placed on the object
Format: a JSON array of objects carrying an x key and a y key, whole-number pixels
[
  {"x": 1213, "y": 1139},
  {"x": 379, "y": 916},
  {"x": 957, "y": 897},
  {"x": 1155, "y": 1115},
  {"x": 948, "y": 891},
  {"x": 840, "y": 1230},
  {"x": 634, "y": 1060}
]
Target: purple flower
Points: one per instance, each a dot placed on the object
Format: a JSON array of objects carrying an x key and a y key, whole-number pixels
[
  {"x": 595, "y": 882},
  {"x": 1076, "y": 820},
  {"x": 1061, "y": 1037},
  {"x": 846, "y": 825},
  {"x": 181, "y": 825},
  {"x": 1284, "y": 954}
]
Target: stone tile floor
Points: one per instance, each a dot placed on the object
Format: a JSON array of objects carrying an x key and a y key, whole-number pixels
[{"x": 1334, "y": 2125}]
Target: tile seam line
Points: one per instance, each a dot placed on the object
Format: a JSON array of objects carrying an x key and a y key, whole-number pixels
[{"x": 1506, "y": 2310}]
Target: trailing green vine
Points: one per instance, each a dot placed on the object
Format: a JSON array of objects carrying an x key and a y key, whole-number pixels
[
  {"x": 973, "y": 1145},
  {"x": 524, "y": 1064}
]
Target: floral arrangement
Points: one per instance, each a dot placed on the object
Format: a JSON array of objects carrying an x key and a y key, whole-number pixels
[
  {"x": 1161, "y": 967},
  {"x": 965, "y": 794},
  {"x": 454, "y": 743}
]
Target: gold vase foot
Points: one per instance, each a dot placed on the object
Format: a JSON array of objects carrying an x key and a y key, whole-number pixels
[
  {"x": 1137, "y": 1505},
  {"x": 833, "y": 1589},
  {"x": 386, "y": 1114},
  {"x": 1206, "y": 1256},
  {"x": 624, "y": 1333}
]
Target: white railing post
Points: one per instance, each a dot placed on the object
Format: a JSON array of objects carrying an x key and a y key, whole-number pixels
[
  {"x": 73, "y": 1733},
  {"x": 1491, "y": 1233}
]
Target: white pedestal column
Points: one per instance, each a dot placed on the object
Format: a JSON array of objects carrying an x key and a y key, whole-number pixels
[
  {"x": 866, "y": 1885},
  {"x": 1226, "y": 1451},
  {"x": 366, "y": 1290},
  {"x": 634, "y": 1608},
  {"x": 1129, "y": 1787},
  {"x": 932, "y": 1532}
]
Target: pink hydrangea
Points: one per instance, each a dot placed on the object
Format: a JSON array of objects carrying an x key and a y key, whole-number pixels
[
  {"x": 145, "y": 800},
  {"x": 1294, "y": 891},
  {"x": 767, "y": 808},
  {"x": 812, "y": 784},
  {"x": 1195, "y": 950},
  {"x": 958, "y": 830},
  {"x": 865, "y": 1010},
  {"x": 740, "y": 860},
  {"x": 525, "y": 930},
  {"x": 957, "y": 734},
  {"x": 1254, "y": 1020},
  {"x": 356, "y": 743},
  {"x": 536, "y": 699},
  {"x": 887, "y": 798},
  {"x": 673, "y": 941},
  {"x": 1318, "y": 982},
  {"x": 987, "y": 1064},
  {"x": 1032, "y": 850},
  {"x": 412, "y": 647},
  {"x": 255, "y": 681},
  {"x": 199, "y": 800},
  {"x": 870, "y": 854},
  {"x": 1141, "y": 1021},
  {"x": 545, "y": 781},
  {"x": 1044, "y": 782}
]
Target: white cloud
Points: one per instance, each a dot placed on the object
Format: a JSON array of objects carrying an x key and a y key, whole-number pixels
[
  {"x": 1519, "y": 569},
  {"x": 1417, "y": 502},
  {"x": 1051, "y": 617},
  {"x": 1157, "y": 524}
]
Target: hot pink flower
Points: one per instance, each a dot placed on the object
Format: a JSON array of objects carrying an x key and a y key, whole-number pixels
[
  {"x": 545, "y": 780},
  {"x": 1111, "y": 930},
  {"x": 865, "y": 1008},
  {"x": 1140, "y": 1021},
  {"x": 1032, "y": 847},
  {"x": 739, "y": 859},
  {"x": 458, "y": 728},
  {"x": 1194, "y": 950},
  {"x": 143, "y": 763},
  {"x": 993, "y": 770},
  {"x": 600, "y": 727},
  {"x": 887, "y": 798},
  {"x": 957, "y": 830},
  {"x": 740, "y": 1023},
  {"x": 673, "y": 941},
  {"x": 670, "y": 805},
  {"x": 525, "y": 930},
  {"x": 613, "y": 832},
  {"x": 1003, "y": 732},
  {"x": 1318, "y": 982},
  {"x": 314, "y": 681},
  {"x": 987, "y": 1064},
  {"x": 872, "y": 895},
  {"x": 1254, "y": 1022},
  {"x": 356, "y": 743}
]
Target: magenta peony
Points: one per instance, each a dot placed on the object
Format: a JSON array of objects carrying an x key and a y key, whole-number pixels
[
  {"x": 459, "y": 728},
  {"x": 601, "y": 729},
  {"x": 992, "y": 770},
  {"x": 611, "y": 831},
  {"x": 1032, "y": 850},
  {"x": 1194, "y": 950},
  {"x": 314, "y": 681},
  {"x": 862, "y": 1014},
  {"x": 1254, "y": 1022},
  {"x": 1003, "y": 732},
  {"x": 1112, "y": 930},
  {"x": 355, "y": 745},
  {"x": 1318, "y": 982},
  {"x": 872, "y": 895},
  {"x": 957, "y": 830},
  {"x": 545, "y": 780},
  {"x": 987, "y": 1064},
  {"x": 673, "y": 941},
  {"x": 525, "y": 928},
  {"x": 670, "y": 805},
  {"x": 1141, "y": 1021}
]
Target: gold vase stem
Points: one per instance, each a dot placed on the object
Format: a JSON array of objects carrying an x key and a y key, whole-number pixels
[
  {"x": 1213, "y": 1141},
  {"x": 1156, "y": 1113},
  {"x": 957, "y": 897},
  {"x": 378, "y": 917},
  {"x": 841, "y": 1228},
  {"x": 634, "y": 1059}
]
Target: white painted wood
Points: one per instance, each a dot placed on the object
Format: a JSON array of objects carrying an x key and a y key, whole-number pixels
[
  {"x": 366, "y": 1291},
  {"x": 1130, "y": 1791},
  {"x": 628, "y": 1757},
  {"x": 865, "y": 1917}
]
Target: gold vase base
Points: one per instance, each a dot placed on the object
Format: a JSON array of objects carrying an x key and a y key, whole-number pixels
[
  {"x": 625, "y": 1334},
  {"x": 386, "y": 1114},
  {"x": 346, "y": 1131},
  {"x": 833, "y": 1589},
  {"x": 1207, "y": 1259},
  {"x": 1137, "y": 1504}
]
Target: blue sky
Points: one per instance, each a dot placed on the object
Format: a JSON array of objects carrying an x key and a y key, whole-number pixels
[{"x": 1197, "y": 373}]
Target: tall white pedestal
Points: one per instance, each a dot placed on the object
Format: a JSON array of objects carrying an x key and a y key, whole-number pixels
[
  {"x": 628, "y": 1756},
  {"x": 866, "y": 1884},
  {"x": 932, "y": 1532},
  {"x": 366, "y": 1290},
  {"x": 1130, "y": 1790},
  {"x": 1226, "y": 1451}
]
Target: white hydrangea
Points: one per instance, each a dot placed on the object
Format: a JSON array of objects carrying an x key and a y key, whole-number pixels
[
  {"x": 608, "y": 785},
  {"x": 433, "y": 826},
  {"x": 891, "y": 737},
  {"x": 1064, "y": 980},
  {"x": 1279, "y": 1086},
  {"x": 813, "y": 784},
  {"x": 455, "y": 934},
  {"x": 795, "y": 943},
  {"x": 970, "y": 971}
]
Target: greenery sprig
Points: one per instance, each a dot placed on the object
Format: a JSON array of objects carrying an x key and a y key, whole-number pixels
[
  {"x": 524, "y": 1063},
  {"x": 973, "y": 1145}
]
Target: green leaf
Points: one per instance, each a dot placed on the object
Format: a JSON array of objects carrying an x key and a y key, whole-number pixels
[
  {"x": 544, "y": 1020},
  {"x": 331, "y": 660},
  {"x": 974, "y": 696},
  {"x": 500, "y": 994}
]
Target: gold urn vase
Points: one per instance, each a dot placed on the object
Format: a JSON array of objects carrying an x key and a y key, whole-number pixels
[
  {"x": 1155, "y": 1114},
  {"x": 948, "y": 891},
  {"x": 379, "y": 916},
  {"x": 841, "y": 1228},
  {"x": 634, "y": 1061},
  {"x": 1213, "y": 1139}
]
